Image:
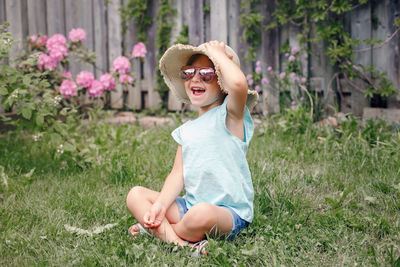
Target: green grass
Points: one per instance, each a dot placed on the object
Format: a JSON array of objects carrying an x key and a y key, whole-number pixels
[{"x": 323, "y": 197}]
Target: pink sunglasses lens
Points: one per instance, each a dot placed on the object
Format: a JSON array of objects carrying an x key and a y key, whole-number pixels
[{"x": 207, "y": 75}]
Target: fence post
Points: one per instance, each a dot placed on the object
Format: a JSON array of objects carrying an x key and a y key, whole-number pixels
[
  {"x": 270, "y": 55},
  {"x": 37, "y": 17},
  {"x": 55, "y": 17},
  {"x": 114, "y": 47},
  {"x": 196, "y": 31},
  {"x": 17, "y": 29},
  {"x": 386, "y": 58},
  {"x": 219, "y": 20}
]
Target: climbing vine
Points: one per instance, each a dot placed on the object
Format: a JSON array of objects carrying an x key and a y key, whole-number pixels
[
  {"x": 136, "y": 9},
  {"x": 327, "y": 16},
  {"x": 164, "y": 28},
  {"x": 251, "y": 19}
]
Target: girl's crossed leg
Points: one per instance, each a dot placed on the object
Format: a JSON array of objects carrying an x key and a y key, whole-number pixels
[{"x": 200, "y": 219}]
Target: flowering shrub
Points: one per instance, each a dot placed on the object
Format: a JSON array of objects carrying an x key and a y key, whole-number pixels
[
  {"x": 53, "y": 54},
  {"x": 45, "y": 94},
  {"x": 290, "y": 82}
]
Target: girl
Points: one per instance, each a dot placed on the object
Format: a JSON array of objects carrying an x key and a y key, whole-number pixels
[{"x": 210, "y": 162}]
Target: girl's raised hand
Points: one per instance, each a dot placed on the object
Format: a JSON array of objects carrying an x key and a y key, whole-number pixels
[
  {"x": 217, "y": 49},
  {"x": 154, "y": 217}
]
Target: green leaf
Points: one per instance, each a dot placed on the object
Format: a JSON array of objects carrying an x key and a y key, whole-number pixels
[
  {"x": 3, "y": 91},
  {"x": 69, "y": 147},
  {"x": 26, "y": 112},
  {"x": 26, "y": 80},
  {"x": 64, "y": 111},
  {"x": 397, "y": 22},
  {"x": 40, "y": 120},
  {"x": 55, "y": 138}
]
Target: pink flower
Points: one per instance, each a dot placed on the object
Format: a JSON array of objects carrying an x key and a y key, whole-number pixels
[
  {"x": 68, "y": 89},
  {"x": 121, "y": 64},
  {"x": 55, "y": 40},
  {"x": 76, "y": 35},
  {"x": 258, "y": 63},
  {"x": 269, "y": 68},
  {"x": 38, "y": 41},
  {"x": 282, "y": 75},
  {"x": 139, "y": 50},
  {"x": 125, "y": 78},
  {"x": 250, "y": 82},
  {"x": 249, "y": 77},
  {"x": 47, "y": 62},
  {"x": 108, "y": 81},
  {"x": 41, "y": 40},
  {"x": 291, "y": 58},
  {"x": 286, "y": 54},
  {"x": 293, "y": 75},
  {"x": 33, "y": 39},
  {"x": 303, "y": 80},
  {"x": 293, "y": 105},
  {"x": 96, "y": 89},
  {"x": 264, "y": 81},
  {"x": 85, "y": 79},
  {"x": 257, "y": 88},
  {"x": 67, "y": 75},
  {"x": 294, "y": 50},
  {"x": 58, "y": 52},
  {"x": 258, "y": 69}
]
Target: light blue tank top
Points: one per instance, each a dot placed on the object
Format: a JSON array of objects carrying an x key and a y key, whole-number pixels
[{"x": 215, "y": 168}]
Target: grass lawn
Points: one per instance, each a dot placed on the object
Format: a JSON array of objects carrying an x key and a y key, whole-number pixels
[{"x": 324, "y": 196}]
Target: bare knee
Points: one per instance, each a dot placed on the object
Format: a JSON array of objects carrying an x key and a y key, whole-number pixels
[
  {"x": 135, "y": 195},
  {"x": 201, "y": 216}
]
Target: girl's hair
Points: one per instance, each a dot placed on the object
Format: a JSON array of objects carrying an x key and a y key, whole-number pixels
[{"x": 194, "y": 57}]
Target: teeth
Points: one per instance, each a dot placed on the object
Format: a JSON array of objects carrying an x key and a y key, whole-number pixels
[{"x": 197, "y": 89}]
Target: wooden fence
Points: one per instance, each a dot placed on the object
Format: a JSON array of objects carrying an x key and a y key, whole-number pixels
[{"x": 102, "y": 24}]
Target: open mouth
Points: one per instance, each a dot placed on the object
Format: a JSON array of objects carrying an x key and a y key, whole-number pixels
[{"x": 197, "y": 91}]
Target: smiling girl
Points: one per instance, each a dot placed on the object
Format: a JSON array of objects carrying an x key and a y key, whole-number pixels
[{"x": 210, "y": 162}]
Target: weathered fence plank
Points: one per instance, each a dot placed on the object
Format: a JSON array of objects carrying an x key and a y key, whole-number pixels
[
  {"x": 2, "y": 11},
  {"x": 321, "y": 72},
  {"x": 151, "y": 63},
  {"x": 219, "y": 18},
  {"x": 196, "y": 22},
  {"x": 387, "y": 57},
  {"x": 270, "y": 57},
  {"x": 14, "y": 16},
  {"x": 100, "y": 31},
  {"x": 133, "y": 99},
  {"x": 55, "y": 13},
  {"x": 360, "y": 24},
  {"x": 114, "y": 46},
  {"x": 36, "y": 17},
  {"x": 173, "y": 103}
]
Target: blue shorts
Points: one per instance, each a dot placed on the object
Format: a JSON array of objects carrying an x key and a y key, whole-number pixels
[{"x": 238, "y": 224}]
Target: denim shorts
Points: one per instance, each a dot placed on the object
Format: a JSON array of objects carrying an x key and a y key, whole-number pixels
[{"x": 238, "y": 224}]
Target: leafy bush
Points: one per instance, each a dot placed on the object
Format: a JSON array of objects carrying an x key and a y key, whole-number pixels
[{"x": 45, "y": 95}]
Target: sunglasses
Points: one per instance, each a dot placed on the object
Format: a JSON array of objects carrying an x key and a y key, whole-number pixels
[{"x": 207, "y": 74}]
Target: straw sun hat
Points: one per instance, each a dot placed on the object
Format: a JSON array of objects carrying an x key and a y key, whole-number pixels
[{"x": 177, "y": 56}]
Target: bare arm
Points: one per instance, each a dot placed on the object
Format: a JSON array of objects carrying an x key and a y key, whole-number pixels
[
  {"x": 235, "y": 81},
  {"x": 173, "y": 185}
]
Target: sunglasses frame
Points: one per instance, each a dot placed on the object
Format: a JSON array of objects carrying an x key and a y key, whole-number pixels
[{"x": 196, "y": 69}]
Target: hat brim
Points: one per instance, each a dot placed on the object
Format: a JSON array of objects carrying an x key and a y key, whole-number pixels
[{"x": 177, "y": 56}]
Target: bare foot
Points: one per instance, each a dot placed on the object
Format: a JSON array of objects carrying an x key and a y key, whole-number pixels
[
  {"x": 136, "y": 229},
  {"x": 198, "y": 249}
]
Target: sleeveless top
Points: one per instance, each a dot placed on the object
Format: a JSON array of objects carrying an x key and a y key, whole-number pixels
[{"x": 215, "y": 168}]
